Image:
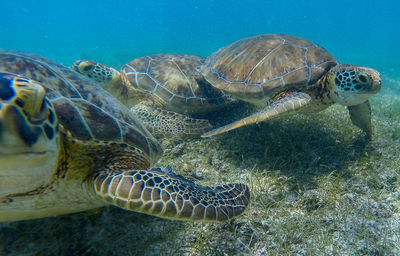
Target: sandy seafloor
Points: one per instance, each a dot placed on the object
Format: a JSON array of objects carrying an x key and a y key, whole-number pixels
[{"x": 318, "y": 186}]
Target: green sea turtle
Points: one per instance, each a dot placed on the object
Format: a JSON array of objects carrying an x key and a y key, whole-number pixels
[
  {"x": 284, "y": 74},
  {"x": 67, "y": 145},
  {"x": 162, "y": 90}
]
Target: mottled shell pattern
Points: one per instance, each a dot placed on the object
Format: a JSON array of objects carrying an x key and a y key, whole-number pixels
[
  {"x": 176, "y": 79},
  {"x": 256, "y": 68},
  {"x": 83, "y": 108}
]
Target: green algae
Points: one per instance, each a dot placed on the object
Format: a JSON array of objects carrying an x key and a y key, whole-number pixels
[{"x": 319, "y": 187}]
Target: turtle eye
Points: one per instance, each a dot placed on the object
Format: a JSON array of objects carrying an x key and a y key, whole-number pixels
[
  {"x": 362, "y": 78},
  {"x": 6, "y": 91},
  {"x": 88, "y": 68}
]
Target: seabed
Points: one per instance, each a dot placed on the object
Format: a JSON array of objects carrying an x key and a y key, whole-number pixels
[{"x": 318, "y": 188}]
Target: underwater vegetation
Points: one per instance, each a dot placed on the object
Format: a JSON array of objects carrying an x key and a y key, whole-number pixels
[
  {"x": 318, "y": 185},
  {"x": 318, "y": 188}
]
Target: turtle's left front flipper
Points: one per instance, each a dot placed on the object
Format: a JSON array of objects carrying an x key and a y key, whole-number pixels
[
  {"x": 289, "y": 103},
  {"x": 165, "y": 194},
  {"x": 164, "y": 123},
  {"x": 360, "y": 115}
]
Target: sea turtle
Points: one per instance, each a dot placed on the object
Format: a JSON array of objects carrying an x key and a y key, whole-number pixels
[
  {"x": 283, "y": 73},
  {"x": 67, "y": 145},
  {"x": 161, "y": 90}
]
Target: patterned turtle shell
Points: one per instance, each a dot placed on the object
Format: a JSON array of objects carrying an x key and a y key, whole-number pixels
[
  {"x": 257, "y": 67},
  {"x": 83, "y": 108},
  {"x": 176, "y": 79}
]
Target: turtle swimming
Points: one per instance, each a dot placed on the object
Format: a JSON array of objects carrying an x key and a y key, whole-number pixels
[
  {"x": 283, "y": 73},
  {"x": 67, "y": 145},
  {"x": 163, "y": 91}
]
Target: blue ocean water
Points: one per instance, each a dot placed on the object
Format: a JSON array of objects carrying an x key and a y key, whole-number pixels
[{"x": 363, "y": 32}]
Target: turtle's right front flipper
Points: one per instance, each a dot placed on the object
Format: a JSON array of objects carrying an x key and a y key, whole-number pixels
[
  {"x": 164, "y": 123},
  {"x": 291, "y": 102},
  {"x": 165, "y": 194},
  {"x": 360, "y": 115}
]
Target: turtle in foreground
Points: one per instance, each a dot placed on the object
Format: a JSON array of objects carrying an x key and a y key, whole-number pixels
[
  {"x": 162, "y": 90},
  {"x": 67, "y": 145},
  {"x": 283, "y": 74}
]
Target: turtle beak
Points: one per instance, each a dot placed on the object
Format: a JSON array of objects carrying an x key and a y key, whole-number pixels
[
  {"x": 83, "y": 66},
  {"x": 377, "y": 81},
  {"x": 377, "y": 85}
]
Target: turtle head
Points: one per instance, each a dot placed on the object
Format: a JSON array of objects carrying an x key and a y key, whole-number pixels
[
  {"x": 29, "y": 140},
  {"x": 352, "y": 85},
  {"x": 98, "y": 72}
]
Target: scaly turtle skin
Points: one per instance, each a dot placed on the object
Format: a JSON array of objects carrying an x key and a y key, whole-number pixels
[
  {"x": 161, "y": 90},
  {"x": 284, "y": 73},
  {"x": 67, "y": 145}
]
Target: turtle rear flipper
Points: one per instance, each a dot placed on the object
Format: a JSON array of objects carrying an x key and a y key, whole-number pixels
[
  {"x": 164, "y": 123},
  {"x": 360, "y": 115},
  {"x": 291, "y": 102},
  {"x": 165, "y": 194}
]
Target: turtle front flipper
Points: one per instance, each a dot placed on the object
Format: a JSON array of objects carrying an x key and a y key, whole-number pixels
[
  {"x": 164, "y": 123},
  {"x": 360, "y": 115},
  {"x": 165, "y": 194},
  {"x": 291, "y": 102}
]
